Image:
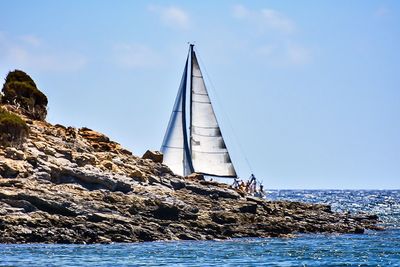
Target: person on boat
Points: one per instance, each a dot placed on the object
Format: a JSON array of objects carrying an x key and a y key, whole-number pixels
[
  {"x": 247, "y": 186},
  {"x": 242, "y": 186},
  {"x": 252, "y": 178},
  {"x": 235, "y": 184},
  {"x": 251, "y": 186},
  {"x": 261, "y": 191}
]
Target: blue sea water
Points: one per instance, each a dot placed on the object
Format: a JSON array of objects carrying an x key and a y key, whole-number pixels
[{"x": 370, "y": 249}]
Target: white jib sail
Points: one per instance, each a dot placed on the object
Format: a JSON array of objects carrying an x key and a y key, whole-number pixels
[
  {"x": 174, "y": 146},
  {"x": 209, "y": 153}
]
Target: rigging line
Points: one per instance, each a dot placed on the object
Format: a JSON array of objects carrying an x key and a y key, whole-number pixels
[{"x": 225, "y": 114}]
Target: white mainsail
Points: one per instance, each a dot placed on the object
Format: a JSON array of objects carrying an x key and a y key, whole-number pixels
[{"x": 207, "y": 152}]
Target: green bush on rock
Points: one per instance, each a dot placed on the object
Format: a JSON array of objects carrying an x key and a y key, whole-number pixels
[
  {"x": 13, "y": 130},
  {"x": 20, "y": 90}
]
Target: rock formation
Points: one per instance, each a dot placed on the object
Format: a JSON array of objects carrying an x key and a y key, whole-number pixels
[{"x": 68, "y": 185}]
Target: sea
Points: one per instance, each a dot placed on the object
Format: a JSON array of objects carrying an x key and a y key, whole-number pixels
[{"x": 374, "y": 248}]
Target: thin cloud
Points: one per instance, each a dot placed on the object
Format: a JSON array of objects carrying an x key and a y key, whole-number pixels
[
  {"x": 30, "y": 52},
  {"x": 267, "y": 50},
  {"x": 276, "y": 34},
  {"x": 23, "y": 58},
  {"x": 135, "y": 56},
  {"x": 31, "y": 39},
  {"x": 172, "y": 16},
  {"x": 265, "y": 19},
  {"x": 277, "y": 21},
  {"x": 382, "y": 12},
  {"x": 240, "y": 12},
  {"x": 284, "y": 54},
  {"x": 297, "y": 54}
]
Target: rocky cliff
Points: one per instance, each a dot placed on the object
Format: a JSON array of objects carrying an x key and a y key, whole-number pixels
[{"x": 66, "y": 185}]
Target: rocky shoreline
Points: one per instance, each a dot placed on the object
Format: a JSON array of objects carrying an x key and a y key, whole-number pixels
[{"x": 68, "y": 185}]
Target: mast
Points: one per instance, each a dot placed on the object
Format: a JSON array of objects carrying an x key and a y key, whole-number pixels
[
  {"x": 187, "y": 157},
  {"x": 191, "y": 94}
]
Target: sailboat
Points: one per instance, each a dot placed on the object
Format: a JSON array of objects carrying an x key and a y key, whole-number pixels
[{"x": 193, "y": 142}]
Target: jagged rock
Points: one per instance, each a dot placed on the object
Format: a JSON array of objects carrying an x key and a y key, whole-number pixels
[
  {"x": 108, "y": 164},
  {"x": 25, "y": 205},
  {"x": 195, "y": 177},
  {"x": 41, "y": 146},
  {"x": 49, "y": 151},
  {"x": 42, "y": 175},
  {"x": 167, "y": 212},
  {"x": 177, "y": 184},
  {"x": 154, "y": 180},
  {"x": 212, "y": 191},
  {"x": 65, "y": 152},
  {"x": 99, "y": 217},
  {"x": 223, "y": 217},
  {"x": 13, "y": 153},
  {"x": 32, "y": 154},
  {"x": 117, "y": 161},
  {"x": 249, "y": 208},
  {"x": 155, "y": 156},
  {"x": 159, "y": 180},
  {"x": 83, "y": 159},
  {"x": 135, "y": 172},
  {"x": 100, "y": 142},
  {"x": 93, "y": 136},
  {"x": 137, "y": 175},
  {"x": 92, "y": 178},
  {"x": 11, "y": 168}
]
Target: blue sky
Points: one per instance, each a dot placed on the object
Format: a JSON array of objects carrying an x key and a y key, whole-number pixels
[{"x": 311, "y": 88}]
